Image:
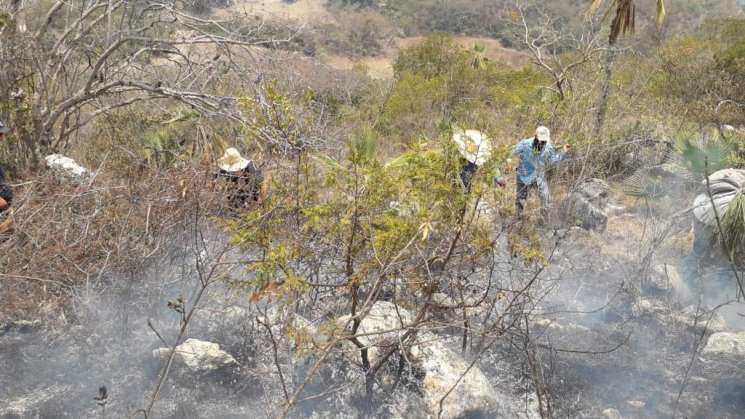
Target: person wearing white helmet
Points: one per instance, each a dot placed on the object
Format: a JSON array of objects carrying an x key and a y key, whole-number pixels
[
  {"x": 246, "y": 181},
  {"x": 476, "y": 149},
  {"x": 536, "y": 155}
]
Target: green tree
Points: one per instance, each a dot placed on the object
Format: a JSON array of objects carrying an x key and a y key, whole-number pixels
[
  {"x": 624, "y": 20},
  {"x": 67, "y": 63},
  {"x": 406, "y": 227}
]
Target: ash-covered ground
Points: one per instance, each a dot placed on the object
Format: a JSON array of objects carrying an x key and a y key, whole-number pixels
[{"x": 619, "y": 328}]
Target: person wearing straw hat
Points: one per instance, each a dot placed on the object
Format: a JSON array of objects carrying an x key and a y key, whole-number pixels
[
  {"x": 6, "y": 192},
  {"x": 476, "y": 149},
  {"x": 536, "y": 155},
  {"x": 245, "y": 179}
]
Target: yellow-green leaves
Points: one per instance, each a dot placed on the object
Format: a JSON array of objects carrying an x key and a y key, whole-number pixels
[
  {"x": 362, "y": 146},
  {"x": 660, "y": 12}
]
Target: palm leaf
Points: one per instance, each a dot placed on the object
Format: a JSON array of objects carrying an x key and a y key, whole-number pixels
[
  {"x": 660, "y": 12},
  {"x": 643, "y": 185},
  {"x": 652, "y": 169},
  {"x": 733, "y": 222},
  {"x": 624, "y": 19},
  {"x": 594, "y": 6},
  {"x": 700, "y": 156}
]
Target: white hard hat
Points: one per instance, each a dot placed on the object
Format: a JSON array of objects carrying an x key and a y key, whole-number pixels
[
  {"x": 473, "y": 145},
  {"x": 232, "y": 161},
  {"x": 543, "y": 134}
]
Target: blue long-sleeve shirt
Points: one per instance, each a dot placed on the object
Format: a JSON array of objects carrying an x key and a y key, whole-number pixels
[{"x": 533, "y": 164}]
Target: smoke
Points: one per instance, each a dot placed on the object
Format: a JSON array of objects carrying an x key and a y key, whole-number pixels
[
  {"x": 609, "y": 333},
  {"x": 627, "y": 317},
  {"x": 57, "y": 373}
]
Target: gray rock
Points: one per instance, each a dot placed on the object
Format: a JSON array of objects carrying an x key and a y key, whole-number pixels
[
  {"x": 637, "y": 404},
  {"x": 65, "y": 168},
  {"x": 19, "y": 326},
  {"x": 700, "y": 322},
  {"x": 688, "y": 318},
  {"x": 199, "y": 356},
  {"x": 28, "y": 405},
  {"x": 664, "y": 279},
  {"x": 586, "y": 206},
  {"x": 726, "y": 346},
  {"x": 649, "y": 307},
  {"x": 443, "y": 368},
  {"x": 611, "y": 414},
  {"x": 725, "y": 184}
]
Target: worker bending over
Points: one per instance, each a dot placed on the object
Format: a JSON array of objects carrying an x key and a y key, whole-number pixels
[{"x": 245, "y": 182}]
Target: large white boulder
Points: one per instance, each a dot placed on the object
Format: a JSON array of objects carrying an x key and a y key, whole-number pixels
[
  {"x": 724, "y": 185},
  {"x": 726, "y": 345},
  {"x": 444, "y": 369},
  {"x": 66, "y": 168},
  {"x": 199, "y": 356}
]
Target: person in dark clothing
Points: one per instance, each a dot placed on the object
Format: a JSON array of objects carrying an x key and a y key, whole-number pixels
[
  {"x": 6, "y": 192},
  {"x": 475, "y": 149},
  {"x": 246, "y": 181},
  {"x": 468, "y": 170}
]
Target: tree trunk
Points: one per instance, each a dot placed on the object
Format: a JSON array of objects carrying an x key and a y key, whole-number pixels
[{"x": 602, "y": 107}]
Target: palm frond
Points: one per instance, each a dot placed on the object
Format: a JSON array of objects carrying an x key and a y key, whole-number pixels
[
  {"x": 643, "y": 185},
  {"x": 661, "y": 13},
  {"x": 624, "y": 21},
  {"x": 733, "y": 222},
  {"x": 700, "y": 156}
]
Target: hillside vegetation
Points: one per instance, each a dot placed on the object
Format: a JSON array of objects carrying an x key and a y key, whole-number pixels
[{"x": 372, "y": 280}]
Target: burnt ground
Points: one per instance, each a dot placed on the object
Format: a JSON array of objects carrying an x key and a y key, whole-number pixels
[
  {"x": 608, "y": 340},
  {"x": 604, "y": 301}
]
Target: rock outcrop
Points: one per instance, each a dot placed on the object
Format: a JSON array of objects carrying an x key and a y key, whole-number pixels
[
  {"x": 448, "y": 377},
  {"x": 65, "y": 168},
  {"x": 199, "y": 356},
  {"x": 664, "y": 279},
  {"x": 724, "y": 184},
  {"x": 586, "y": 206},
  {"x": 725, "y": 346}
]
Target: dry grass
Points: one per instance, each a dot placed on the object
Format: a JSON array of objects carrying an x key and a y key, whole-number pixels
[
  {"x": 66, "y": 235},
  {"x": 381, "y": 66},
  {"x": 302, "y": 11},
  {"x": 494, "y": 49}
]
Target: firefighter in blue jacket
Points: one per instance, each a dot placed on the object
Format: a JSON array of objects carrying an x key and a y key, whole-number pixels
[{"x": 536, "y": 155}]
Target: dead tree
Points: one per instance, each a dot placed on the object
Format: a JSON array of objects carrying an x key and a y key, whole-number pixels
[
  {"x": 73, "y": 61},
  {"x": 558, "y": 53}
]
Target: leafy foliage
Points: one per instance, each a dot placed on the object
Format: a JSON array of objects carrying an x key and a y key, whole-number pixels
[
  {"x": 439, "y": 82},
  {"x": 702, "y": 156}
]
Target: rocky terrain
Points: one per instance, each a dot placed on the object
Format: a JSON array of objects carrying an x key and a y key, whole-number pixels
[
  {"x": 616, "y": 341},
  {"x": 371, "y": 281}
]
